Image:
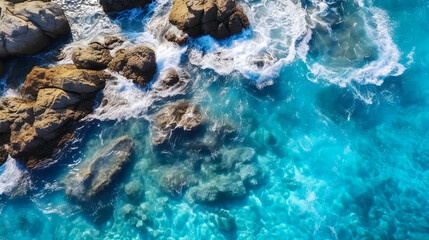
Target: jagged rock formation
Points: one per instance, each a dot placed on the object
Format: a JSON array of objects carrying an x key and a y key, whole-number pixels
[
  {"x": 219, "y": 18},
  {"x": 33, "y": 128},
  {"x": 29, "y": 27}
]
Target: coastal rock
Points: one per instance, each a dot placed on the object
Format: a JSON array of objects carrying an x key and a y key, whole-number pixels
[
  {"x": 119, "y": 5},
  {"x": 138, "y": 64},
  {"x": 96, "y": 56},
  {"x": 218, "y": 189},
  {"x": 111, "y": 42},
  {"x": 236, "y": 156},
  {"x": 66, "y": 77},
  {"x": 134, "y": 191},
  {"x": 175, "y": 181},
  {"x": 36, "y": 127},
  {"x": 97, "y": 173},
  {"x": 176, "y": 36},
  {"x": 181, "y": 114},
  {"x": 219, "y": 18},
  {"x": 29, "y": 27}
]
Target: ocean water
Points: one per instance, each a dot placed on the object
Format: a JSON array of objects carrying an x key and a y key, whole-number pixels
[{"x": 332, "y": 97}]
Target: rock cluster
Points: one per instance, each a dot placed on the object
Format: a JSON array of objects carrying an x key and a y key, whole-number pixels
[
  {"x": 219, "y": 18},
  {"x": 97, "y": 173},
  {"x": 181, "y": 114},
  {"x": 119, "y": 5},
  {"x": 29, "y": 27},
  {"x": 138, "y": 64},
  {"x": 62, "y": 95}
]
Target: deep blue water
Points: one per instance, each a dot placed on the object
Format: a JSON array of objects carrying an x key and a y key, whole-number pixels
[{"x": 338, "y": 118}]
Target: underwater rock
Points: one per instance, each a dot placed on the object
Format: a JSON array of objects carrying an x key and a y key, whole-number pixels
[
  {"x": 251, "y": 175},
  {"x": 235, "y": 156},
  {"x": 224, "y": 221},
  {"x": 181, "y": 114},
  {"x": 176, "y": 181},
  {"x": 119, "y": 5},
  {"x": 96, "y": 56},
  {"x": 219, "y": 18},
  {"x": 218, "y": 189},
  {"x": 37, "y": 127},
  {"x": 29, "y": 27},
  {"x": 134, "y": 191},
  {"x": 97, "y": 173},
  {"x": 138, "y": 64}
]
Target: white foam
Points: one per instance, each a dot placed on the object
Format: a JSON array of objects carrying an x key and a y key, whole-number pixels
[{"x": 14, "y": 180}]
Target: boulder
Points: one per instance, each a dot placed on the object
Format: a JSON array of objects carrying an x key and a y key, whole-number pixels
[
  {"x": 176, "y": 181},
  {"x": 219, "y": 18},
  {"x": 119, "y": 5},
  {"x": 218, "y": 189},
  {"x": 176, "y": 36},
  {"x": 111, "y": 42},
  {"x": 66, "y": 77},
  {"x": 134, "y": 191},
  {"x": 181, "y": 114},
  {"x": 236, "y": 156},
  {"x": 97, "y": 173},
  {"x": 138, "y": 64},
  {"x": 35, "y": 127},
  {"x": 96, "y": 56},
  {"x": 29, "y": 27}
]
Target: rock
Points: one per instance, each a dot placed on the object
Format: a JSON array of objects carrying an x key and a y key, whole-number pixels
[
  {"x": 219, "y": 18},
  {"x": 224, "y": 221},
  {"x": 218, "y": 189},
  {"x": 111, "y": 42},
  {"x": 176, "y": 181},
  {"x": 171, "y": 79},
  {"x": 29, "y": 27},
  {"x": 36, "y": 127},
  {"x": 66, "y": 77},
  {"x": 96, "y": 56},
  {"x": 176, "y": 36},
  {"x": 119, "y": 5},
  {"x": 134, "y": 191},
  {"x": 252, "y": 176},
  {"x": 181, "y": 114},
  {"x": 138, "y": 64},
  {"x": 97, "y": 173}
]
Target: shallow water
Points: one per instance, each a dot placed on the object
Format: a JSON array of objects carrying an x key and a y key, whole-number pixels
[{"x": 332, "y": 96}]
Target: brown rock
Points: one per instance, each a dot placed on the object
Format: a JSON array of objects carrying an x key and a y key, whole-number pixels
[
  {"x": 111, "y": 42},
  {"x": 176, "y": 36},
  {"x": 138, "y": 64},
  {"x": 66, "y": 77},
  {"x": 96, "y": 56},
  {"x": 219, "y": 18},
  {"x": 181, "y": 114},
  {"x": 37, "y": 127},
  {"x": 119, "y": 5}
]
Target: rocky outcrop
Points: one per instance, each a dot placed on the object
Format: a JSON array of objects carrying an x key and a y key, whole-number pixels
[
  {"x": 138, "y": 64},
  {"x": 29, "y": 27},
  {"x": 97, "y": 173},
  {"x": 119, "y": 5},
  {"x": 36, "y": 127},
  {"x": 96, "y": 56},
  {"x": 219, "y": 18},
  {"x": 176, "y": 36},
  {"x": 182, "y": 114}
]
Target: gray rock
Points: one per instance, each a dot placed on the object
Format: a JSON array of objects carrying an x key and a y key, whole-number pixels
[
  {"x": 29, "y": 27},
  {"x": 119, "y": 5},
  {"x": 97, "y": 173}
]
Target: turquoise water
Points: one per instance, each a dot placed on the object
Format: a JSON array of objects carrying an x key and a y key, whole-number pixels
[{"x": 337, "y": 116}]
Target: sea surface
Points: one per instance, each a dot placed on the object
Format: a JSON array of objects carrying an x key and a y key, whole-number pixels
[{"x": 331, "y": 97}]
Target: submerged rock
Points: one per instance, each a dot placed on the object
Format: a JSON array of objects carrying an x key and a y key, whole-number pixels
[
  {"x": 29, "y": 27},
  {"x": 97, "y": 173},
  {"x": 181, "y": 114},
  {"x": 36, "y": 127},
  {"x": 175, "y": 181},
  {"x": 219, "y": 18},
  {"x": 119, "y": 5},
  {"x": 138, "y": 64},
  {"x": 96, "y": 56},
  {"x": 134, "y": 191},
  {"x": 218, "y": 189},
  {"x": 224, "y": 221}
]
